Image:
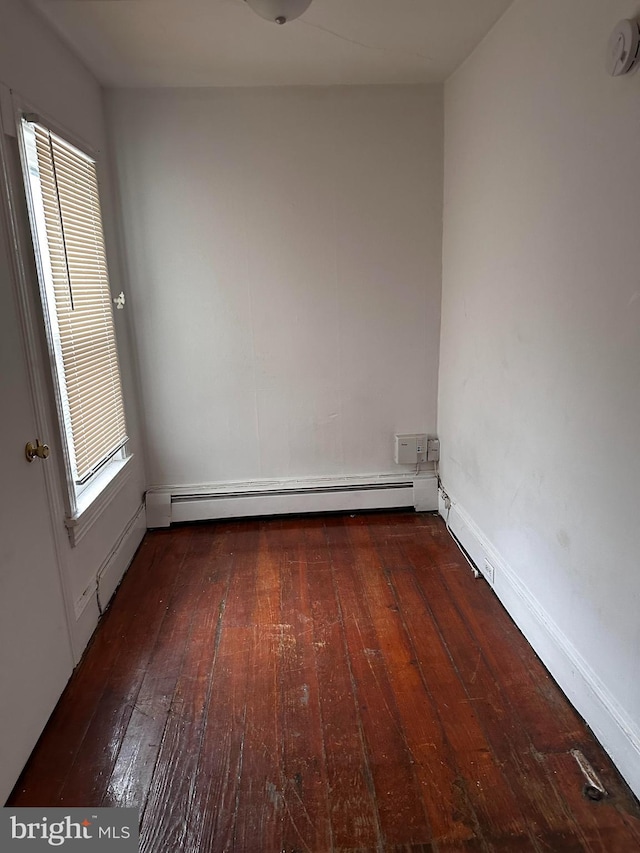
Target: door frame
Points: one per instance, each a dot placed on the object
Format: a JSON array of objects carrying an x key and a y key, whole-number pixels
[{"x": 32, "y": 333}]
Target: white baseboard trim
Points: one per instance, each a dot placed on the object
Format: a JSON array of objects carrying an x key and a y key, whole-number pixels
[
  {"x": 611, "y": 724},
  {"x": 114, "y": 565},
  {"x": 168, "y": 504},
  {"x": 110, "y": 573},
  {"x": 113, "y": 569}
]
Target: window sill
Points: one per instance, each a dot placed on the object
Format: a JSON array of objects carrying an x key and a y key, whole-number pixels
[{"x": 95, "y": 499}]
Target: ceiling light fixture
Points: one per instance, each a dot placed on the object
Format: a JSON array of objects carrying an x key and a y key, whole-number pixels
[{"x": 279, "y": 11}]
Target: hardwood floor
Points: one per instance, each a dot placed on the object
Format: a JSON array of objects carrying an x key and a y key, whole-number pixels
[{"x": 319, "y": 684}]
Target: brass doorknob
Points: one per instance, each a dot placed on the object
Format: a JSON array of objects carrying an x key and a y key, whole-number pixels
[{"x": 38, "y": 449}]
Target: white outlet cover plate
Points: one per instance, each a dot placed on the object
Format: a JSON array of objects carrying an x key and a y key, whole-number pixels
[{"x": 488, "y": 572}]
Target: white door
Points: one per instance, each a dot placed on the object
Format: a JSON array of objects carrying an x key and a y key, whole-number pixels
[{"x": 35, "y": 651}]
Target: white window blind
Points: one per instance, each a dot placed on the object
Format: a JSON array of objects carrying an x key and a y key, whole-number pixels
[{"x": 70, "y": 243}]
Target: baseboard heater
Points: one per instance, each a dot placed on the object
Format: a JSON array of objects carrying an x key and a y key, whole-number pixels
[{"x": 166, "y": 505}]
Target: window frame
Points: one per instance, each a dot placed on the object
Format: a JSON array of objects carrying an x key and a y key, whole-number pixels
[{"x": 84, "y": 503}]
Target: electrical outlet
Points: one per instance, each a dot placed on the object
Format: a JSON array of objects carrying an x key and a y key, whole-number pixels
[{"x": 488, "y": 572}]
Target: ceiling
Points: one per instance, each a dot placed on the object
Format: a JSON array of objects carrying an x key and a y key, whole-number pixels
[{"x": 224, "y": 43}]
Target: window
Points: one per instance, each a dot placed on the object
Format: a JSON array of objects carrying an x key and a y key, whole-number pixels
[{"x": 68, "y": 239}]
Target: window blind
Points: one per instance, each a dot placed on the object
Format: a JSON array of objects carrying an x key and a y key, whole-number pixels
[{"x": 82, "y": 301}]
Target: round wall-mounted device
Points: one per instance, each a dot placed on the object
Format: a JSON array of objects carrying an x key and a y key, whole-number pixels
[{"x": 624, "y": 48}]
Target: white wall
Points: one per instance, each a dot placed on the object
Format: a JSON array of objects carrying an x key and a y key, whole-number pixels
[
  {"x": 539, "y": 401},
  {"x": 284, "y": 251},
  {"x": 58, "y": 86}
]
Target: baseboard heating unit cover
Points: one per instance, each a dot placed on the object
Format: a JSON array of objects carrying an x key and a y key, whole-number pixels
[{"x": 169, "y": 504}]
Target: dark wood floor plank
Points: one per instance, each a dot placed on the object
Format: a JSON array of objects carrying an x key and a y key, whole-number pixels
[
  {"x": 306, "y": 823},
  {"x": 399, "y": 799},
  {"x": 211, "y": 817},
  {"x": 352, "y": 808},
  {"x": 131, "y": 774},
  {"x": 173, "y": 775},
  {"x": 470, "y": 751},
  {"x": 336, "y": 683},
  {"x": 449, "y": 809},
  {"x": 261, "y": 807}
]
